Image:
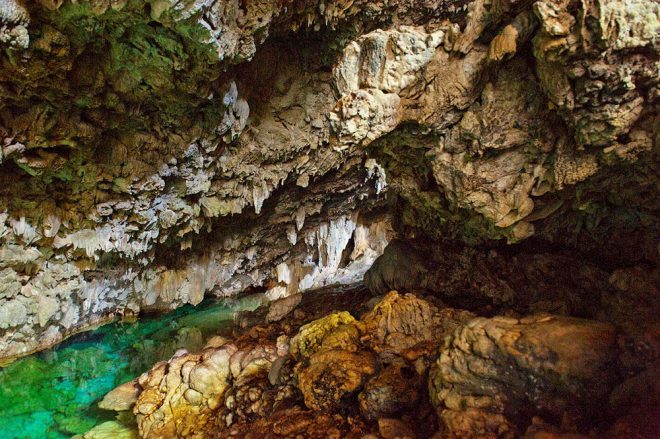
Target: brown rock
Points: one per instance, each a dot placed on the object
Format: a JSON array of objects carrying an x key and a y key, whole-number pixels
[
  {"x": 528, "y": 282},
  {"x": 393, "y": 389},
  {"x": 640, "y": 424},
  {"x": 395, "y": 429},
  {"x": 400, "y": 322},
  {"x": 278, "y": 309},
  {"x": 492, "y": 374},
  {"x": 299, "y": 423},
  {"x": 541, "y": 430},
  {"x": 330, "y": 376}
]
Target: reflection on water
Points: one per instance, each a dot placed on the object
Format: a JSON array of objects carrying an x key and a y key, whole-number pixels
[{"x": 53, "y": 394}]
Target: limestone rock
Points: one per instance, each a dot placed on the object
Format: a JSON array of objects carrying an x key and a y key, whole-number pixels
[
  {"x": 393, "y": 428},
  {"x": 110, "y": 429},
  {"x": 398, "y": 323},
  {"x": 14, "y": 19},
  {"x": 122, "y": 397},
  {"x": 296, "y": 422},
  {"x": 329, "y": 376},
  {"x": 492, "y": 372},
  {"x": 392, "y": 390},
  {"x": 310, "y": 337},
  {"x": 214, "y": 146},
  {"x": 280, "y": 308},
  {"x": 252, "y": 394},
  {"x": 541, "y": 430},
  {"x": 528, "y": 282},
  {"x": 492, "y": 377},
  {"x": 189, "y": 385},
  {"x": 562, "y": 63},
  {"x": 9, "y": 283}
]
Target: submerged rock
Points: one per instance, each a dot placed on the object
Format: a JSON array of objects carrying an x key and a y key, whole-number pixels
[{"x": 110, "y": 430}]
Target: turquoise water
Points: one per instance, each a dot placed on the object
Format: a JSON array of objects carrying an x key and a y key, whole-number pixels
[{"x": 53, "y": 394}]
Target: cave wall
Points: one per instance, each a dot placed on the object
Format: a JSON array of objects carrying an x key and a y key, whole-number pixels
[{"x": 155, "y": 152}]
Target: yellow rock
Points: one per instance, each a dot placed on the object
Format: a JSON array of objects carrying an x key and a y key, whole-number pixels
[{"x": 310, "y": 336}]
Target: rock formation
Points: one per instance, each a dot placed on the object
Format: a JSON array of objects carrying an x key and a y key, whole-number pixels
[
  {"x": 378, "y": 375},
  {"x": 497, "y": 158},
  {"x": 153, "y": 153},
  {"x": 496, "y": 369}
]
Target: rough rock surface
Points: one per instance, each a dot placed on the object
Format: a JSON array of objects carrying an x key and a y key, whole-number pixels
[
  {"x": 499, "y": 157},
  {"x": 330, "y": 376},
  {"x": 399, "y": 324},
  {"x": 493, "y": 373},
  {"x": 285, "y": 377},
  {"x": 525, "y": 279},
  {"x": 122, "y": 397},
  {"x": 152, "y": 153},
  {"x": 393, "y": 390},
  {"x": 391, "y": 373}
]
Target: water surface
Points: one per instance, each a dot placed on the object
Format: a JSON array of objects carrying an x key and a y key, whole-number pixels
[{"x": 53, "y": 393}]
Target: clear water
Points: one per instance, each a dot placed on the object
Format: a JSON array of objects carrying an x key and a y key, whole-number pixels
[{"x": 53, "y": 394}]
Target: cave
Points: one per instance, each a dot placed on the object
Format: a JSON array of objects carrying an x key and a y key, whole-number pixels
[{"x": 329, "y": 219}]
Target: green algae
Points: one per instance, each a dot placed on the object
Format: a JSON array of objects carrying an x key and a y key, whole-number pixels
[
  {"x": 53, "y": 394},
  {"x": 420, "y": 204}
]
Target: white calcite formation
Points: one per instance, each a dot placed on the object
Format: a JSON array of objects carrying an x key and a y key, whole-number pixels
[
  {"x": 338, "y": 252},
  {"x": 155, "y": 153}
]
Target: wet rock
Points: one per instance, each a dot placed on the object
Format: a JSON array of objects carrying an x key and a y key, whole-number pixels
[
  {"x": 395, "y": 429},
  {"x": 150, "y": 201},
  {"x": 493, "y": 373},
  {"x": 540, "y": 430},
  {"x": 280, "y": 308},
  {"x": 330, "y": 376},
  {"x": 392, "y": 390},
  {"x": 311, "y": 336},
  {"x": 110, "y": 429},
  {"x": 251, "y": 398},
  {"x": 332, "y": 364},
  {"x": 180, "y": 397},
  {"x": 297, "y": 422},
  {"x": 216, "y": 341},
  {"x": 398, "y": 323},
  {"x": 541, "y": 376},
  {"x": 122, "y": 397}
]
